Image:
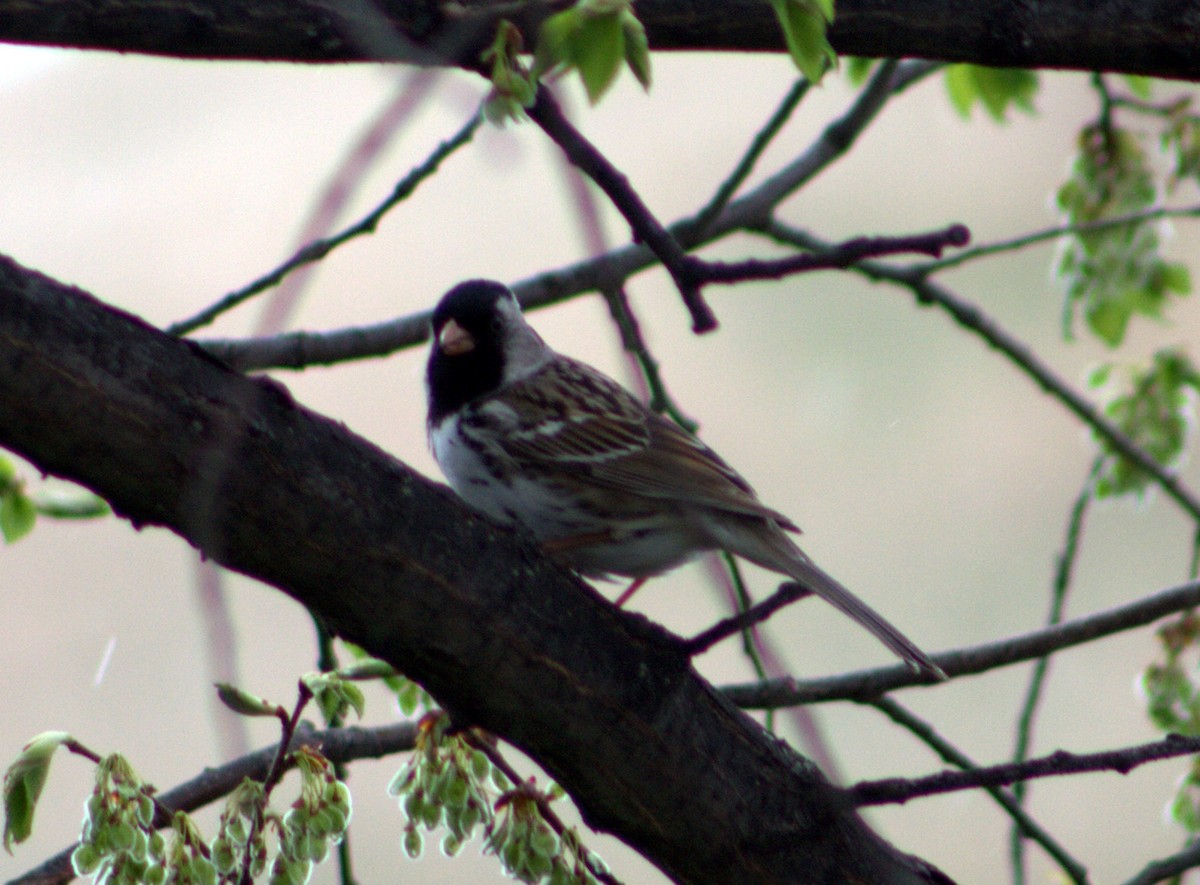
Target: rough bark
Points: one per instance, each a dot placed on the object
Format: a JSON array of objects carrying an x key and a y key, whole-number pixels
[
  {"x": 506, "y": 640},
  {"x": 1153, "y": 37}
]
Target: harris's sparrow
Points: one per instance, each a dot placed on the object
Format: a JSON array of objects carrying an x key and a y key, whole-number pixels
[{"x": 531, "y": 437}]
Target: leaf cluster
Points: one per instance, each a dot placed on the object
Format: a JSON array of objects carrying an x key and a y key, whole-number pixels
[
  {"x": 1171, "y": 687},
  {"x": 1154, "y": 405},
  {"x": 450, "y": 782},
  {"x": 1112, "y": 272}
]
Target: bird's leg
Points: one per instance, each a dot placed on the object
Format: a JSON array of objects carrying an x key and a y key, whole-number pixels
[
  {"x": 557, "y": 546},
  {"x": 629, "y": 591}
]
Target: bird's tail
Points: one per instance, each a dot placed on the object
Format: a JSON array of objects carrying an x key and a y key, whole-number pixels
[{"x": 776, "y": 551}]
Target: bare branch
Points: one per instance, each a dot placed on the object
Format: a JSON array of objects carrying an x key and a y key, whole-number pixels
[
  {"x": 1056, "y": 232},
  {"x": 788, "y": 592},
  {"x": 1167, "y": 867},
  {"x": 646, "y": 228},
  {"x": 1022, "y": 822},
  {"x": 837, "y": 256},
  {"x": 1056, "y": 764},
  {"x": 1037, "y": 679},
  {"x": 296, "y": 350},
  {"x": 867, "y": 684},
  {"x": 318, "y": 249}
]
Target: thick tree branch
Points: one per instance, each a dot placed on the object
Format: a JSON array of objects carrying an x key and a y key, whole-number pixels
[
  {"x": 605, "y": 701},
  {"x": 1154, "y": 37}
]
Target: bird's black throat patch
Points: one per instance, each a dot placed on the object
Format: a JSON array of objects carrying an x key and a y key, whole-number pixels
[{"x": 455, "y": 381}]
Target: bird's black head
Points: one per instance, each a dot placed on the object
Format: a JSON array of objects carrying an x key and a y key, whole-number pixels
[{"x": 467, "y": 354}]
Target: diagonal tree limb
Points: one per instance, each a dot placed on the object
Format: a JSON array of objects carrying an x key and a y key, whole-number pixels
[
  {"x": 546, "y": 112},
  {"x": 502, "y": 637}
]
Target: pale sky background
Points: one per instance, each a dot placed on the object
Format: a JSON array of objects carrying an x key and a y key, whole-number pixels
[{"x": 929, "y": 475}]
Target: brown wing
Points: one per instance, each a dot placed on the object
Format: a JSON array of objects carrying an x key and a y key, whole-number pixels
[{"x": 574, "y": 419}]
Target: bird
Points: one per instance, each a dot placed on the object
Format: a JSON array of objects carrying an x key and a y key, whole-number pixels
[{"x": 531, "y": 437}]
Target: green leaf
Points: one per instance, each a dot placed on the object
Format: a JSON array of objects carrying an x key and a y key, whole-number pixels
[
  {"x": 23, "y": 784},
  {"x": 17, "y": 514},
  {"x": 637, "y": 48},
  {"x": 85, "y": 859},
  {"x": 995, "y": 88},
  {"x": 597, "y": 48},
  {"x": 413, "y": 842},
  {"x": 554, "y": 40},
  {"x": 246, "y": 704},
  {"x": 1180, "y": 139},
  {"x": 335, "y": 697},
  {"x": 513, "y": 88},
  {"x": 1176, "y": 278},
  {"x": 593, "y": 37},
  {"x": 804, "y": 23},
  {"x": 1109, "y": 319},
  {"x": 1099, "y": 376},
  {"x": 367, "y": 668},
  {"x": 79, "y": 506},
  {"x": 858, "y": 69},
  {"x": 1138, "y": 85}
]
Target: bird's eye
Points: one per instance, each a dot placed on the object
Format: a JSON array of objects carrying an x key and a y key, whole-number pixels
[{"x": 497, "y": 324}]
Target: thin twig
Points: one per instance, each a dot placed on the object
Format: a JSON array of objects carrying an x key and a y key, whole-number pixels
[
  {"x": 349, "y": 176},
  {"x": 279, "y": 766},
  {"x": 731, "y": 571},
  {"x": 951, "y": 754},
  {"x": 644, "y": 370},
  {"x": 318, "y": 249},
  {"x": 546, "y": 112},
  {"x": 727, "y": 571},
  {"x": 1056, "y": 764},
  {"x": 1186, "y": 859},
  {"x": 868, "y": 684},
  {"x": 296, "y": 350},
  {"x": 1014, "y": 244},
  {"x": 635, "y": 343},
  {"x": 788, "y": 592},
  {"x": 80, "y": 749},
  {"x": 1033, "y": 694},
  {"x": 762, "y": 139},
  {"x": 838, "y": 256}
]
